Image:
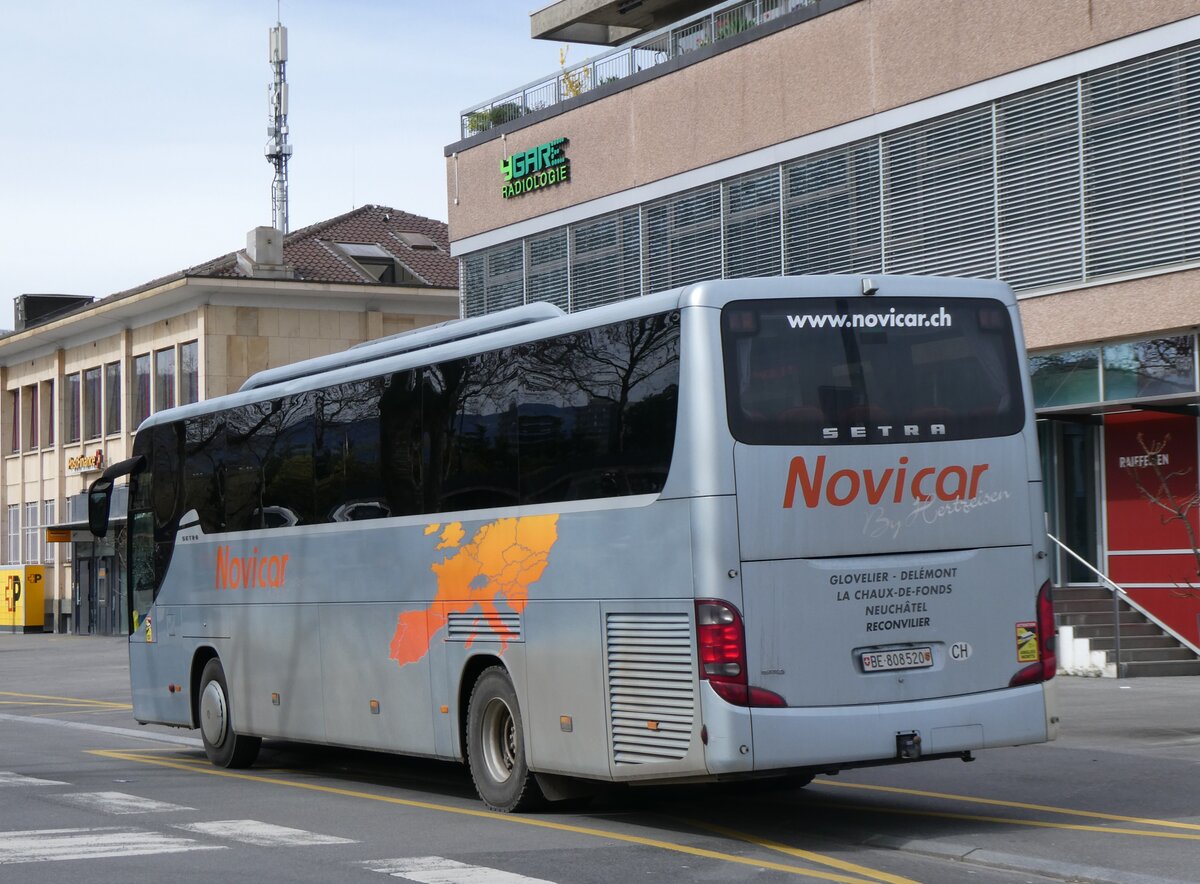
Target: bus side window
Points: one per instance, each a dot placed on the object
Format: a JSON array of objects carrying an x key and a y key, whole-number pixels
[
  {"x": 203, "y": 446},
  {"x": 400, "y": 443},
  {"x": 287, "y": 493}
]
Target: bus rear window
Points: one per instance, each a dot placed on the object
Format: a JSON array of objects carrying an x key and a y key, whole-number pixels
[{"x": 819, "y": 371}]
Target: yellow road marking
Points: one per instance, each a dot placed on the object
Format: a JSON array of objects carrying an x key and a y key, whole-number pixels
[
  {"x": 77, "y": 701},
  {"x": 1037, "y": 824},
  {"x": 802, "y": 854},
  {"x": 72, "y": 710},
  {"x": 1019, "y": 805},
  {"x": 499, "y": 817}
]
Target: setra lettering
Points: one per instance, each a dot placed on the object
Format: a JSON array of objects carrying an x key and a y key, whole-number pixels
[{"x": 845, "y": 486}]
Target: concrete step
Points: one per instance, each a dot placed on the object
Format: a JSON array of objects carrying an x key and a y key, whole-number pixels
[
  {"x": 1073, "y": 593},
  {"x": 1160, "y": 669},
  {"x": 1105, "y": 630},
  {"x": 1086, "y": 606},
  {"x": 1151, "y": 655},
  {"x": 1130, "y": 642},
  {"x": 1097, "y": 618}
]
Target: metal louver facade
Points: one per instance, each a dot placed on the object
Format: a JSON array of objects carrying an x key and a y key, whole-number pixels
[
  {"x": 1089, "y": 177},
  {"x": 651, "y": 686}
]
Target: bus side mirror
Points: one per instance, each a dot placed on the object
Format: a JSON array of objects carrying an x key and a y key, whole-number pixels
[{"x": 99, "y": 498}]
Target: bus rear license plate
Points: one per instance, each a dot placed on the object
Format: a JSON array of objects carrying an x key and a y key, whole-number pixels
[{"x": 908, "y": 658}]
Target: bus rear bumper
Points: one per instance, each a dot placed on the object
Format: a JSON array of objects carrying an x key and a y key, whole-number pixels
[{"x": 844, "y": 735}]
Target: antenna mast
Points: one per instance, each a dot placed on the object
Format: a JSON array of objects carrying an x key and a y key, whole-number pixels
[{"x": 278, "y": 150}]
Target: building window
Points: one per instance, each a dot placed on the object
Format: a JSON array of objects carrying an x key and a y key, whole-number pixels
[
  {"x": 71, "y": 409},
  {"x": 32, "y": 532},
  {"x": 47, "y": 411},
  {"x": 112, "y": 398},
  {"x": 14, "y": 416},
  {"x": 189, "y": 373},
  {"x": 12, "y": 551},
  {"x": 91, "y": 403},
  {"x": 164, "y": 379},
  {"x": 48, "y": 519},
  {"x": 141, "y": 389},
  {"x": 29, "y": 417}
]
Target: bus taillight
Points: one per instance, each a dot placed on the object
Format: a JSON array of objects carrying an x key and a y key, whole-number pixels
[
  {"x": 1047, "y": 664},
  {"x": 721, "y": 640}
]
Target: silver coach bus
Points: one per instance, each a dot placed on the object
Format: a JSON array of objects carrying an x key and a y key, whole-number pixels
[{"x": 746, "y": 528}]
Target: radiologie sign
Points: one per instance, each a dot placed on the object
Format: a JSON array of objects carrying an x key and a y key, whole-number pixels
[{"x": 536, "y": 168}]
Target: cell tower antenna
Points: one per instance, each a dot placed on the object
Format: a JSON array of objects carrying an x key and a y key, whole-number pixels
[{"x": 278, "y": 150}]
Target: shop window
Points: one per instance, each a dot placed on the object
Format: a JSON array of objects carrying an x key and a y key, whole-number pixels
[
  {"x": 1159, "y": 367},
  {"x": 1068, "y": 378}
]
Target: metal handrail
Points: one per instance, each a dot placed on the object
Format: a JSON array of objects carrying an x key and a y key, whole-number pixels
[
  {"x": 1120, "y": 595},
  {"x": 716, "y": 23}
]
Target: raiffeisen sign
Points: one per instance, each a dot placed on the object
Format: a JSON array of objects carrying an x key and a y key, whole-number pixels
[{"x": 533, "y": 169}]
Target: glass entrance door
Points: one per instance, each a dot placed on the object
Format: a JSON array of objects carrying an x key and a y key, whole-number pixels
[{"x": 1070, "y": 466}]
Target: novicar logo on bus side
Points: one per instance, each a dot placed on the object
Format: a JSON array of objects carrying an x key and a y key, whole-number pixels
[
  {"x": 250, "y": 572},
  {"x": 891, "y": 484}
]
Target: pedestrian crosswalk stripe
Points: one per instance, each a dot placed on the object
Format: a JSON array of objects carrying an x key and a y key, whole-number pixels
[
  {"x": 8, "y": 778},
  {"x": 439, "y": 870},
  {"x": 48, "y": 845},
  {"x": 119, "y": 803},
  {"x": 261, "y": 834}
]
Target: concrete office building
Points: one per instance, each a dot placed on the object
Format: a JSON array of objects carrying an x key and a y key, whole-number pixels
[
  {"x": 1052, "y": 145},
  {"x": 77, "y": 383}
]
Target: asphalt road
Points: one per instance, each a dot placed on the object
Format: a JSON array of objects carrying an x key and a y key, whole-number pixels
[{"x": 85, "y": 791}]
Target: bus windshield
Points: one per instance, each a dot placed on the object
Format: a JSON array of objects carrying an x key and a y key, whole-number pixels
[{"x": 879, "y": 370}]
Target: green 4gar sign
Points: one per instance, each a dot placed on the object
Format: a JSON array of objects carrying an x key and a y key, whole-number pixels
[{"x": 533, "y": 169}]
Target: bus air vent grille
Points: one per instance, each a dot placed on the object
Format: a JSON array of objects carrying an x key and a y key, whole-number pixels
[
  {"x": 476, "y": 626},
  {"x": 651, "y": 679}
]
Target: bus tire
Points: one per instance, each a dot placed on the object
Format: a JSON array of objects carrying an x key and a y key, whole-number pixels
[
  {"x": 224, "y": 746},
  {"x": 496, "y": 745}
]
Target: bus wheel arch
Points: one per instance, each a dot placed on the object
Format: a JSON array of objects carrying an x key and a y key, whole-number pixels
[
  {"x": 223, "y": 745},
  {"x": 199, "y": 661},
  {"x": 495, "y": 743}
]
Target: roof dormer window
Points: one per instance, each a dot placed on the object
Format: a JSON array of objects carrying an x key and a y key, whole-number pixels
[{"x": 379, "y": 264}]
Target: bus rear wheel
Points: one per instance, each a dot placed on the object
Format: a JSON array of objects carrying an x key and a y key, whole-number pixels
[
  {"x": 496, "y": 745},
  {"x": 224, "y": 746}
]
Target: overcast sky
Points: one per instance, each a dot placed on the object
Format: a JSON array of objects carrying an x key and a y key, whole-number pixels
[{"x": 132, "y": 131}]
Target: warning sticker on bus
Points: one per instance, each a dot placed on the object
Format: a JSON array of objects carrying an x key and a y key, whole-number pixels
[
  {"x": 1027, "y": 643},
  {"x": 904, "y": 658}
]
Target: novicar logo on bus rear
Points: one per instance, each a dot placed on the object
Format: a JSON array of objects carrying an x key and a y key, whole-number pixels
[{"x": 894, "y": 484}]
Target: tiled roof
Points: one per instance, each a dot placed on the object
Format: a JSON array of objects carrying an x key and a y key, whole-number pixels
[{"x": 312, "y": 251}]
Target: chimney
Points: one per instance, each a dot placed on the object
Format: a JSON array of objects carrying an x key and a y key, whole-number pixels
[{"x": 263, "y": 255}]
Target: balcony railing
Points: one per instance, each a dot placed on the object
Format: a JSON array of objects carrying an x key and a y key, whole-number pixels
[{"x": 720, "y": 23}]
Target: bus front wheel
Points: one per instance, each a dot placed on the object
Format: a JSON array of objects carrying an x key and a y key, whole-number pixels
[
  {"x": 496, "y": 745},
  {"x": 222, "y": 744}
]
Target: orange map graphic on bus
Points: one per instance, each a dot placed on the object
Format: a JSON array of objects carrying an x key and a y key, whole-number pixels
[{"x": 499, "y": 564}]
